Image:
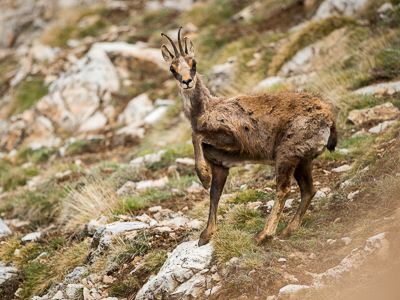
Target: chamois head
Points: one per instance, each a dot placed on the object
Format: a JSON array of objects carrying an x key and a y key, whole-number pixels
[{"x": 182, "y": 64}]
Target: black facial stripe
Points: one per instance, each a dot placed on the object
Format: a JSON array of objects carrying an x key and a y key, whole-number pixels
[
  {"x": 192, "y": 72},
  {"x": 178, "y": 77}
]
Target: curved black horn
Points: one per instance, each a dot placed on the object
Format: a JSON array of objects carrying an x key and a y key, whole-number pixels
[
  {"x": 179, "y": 41},
  {"x": 172, "y": 43}
]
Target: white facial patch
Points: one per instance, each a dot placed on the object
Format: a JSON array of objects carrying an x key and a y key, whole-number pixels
[{"x": 324, "y": 137}]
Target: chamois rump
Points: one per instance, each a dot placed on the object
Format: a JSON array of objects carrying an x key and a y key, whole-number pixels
[{"x": 286, "y": 129}]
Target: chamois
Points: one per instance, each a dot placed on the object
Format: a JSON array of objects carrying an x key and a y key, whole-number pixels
[{"x": 287, "y": 129}]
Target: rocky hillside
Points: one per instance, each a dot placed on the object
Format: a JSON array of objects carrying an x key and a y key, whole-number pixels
[{"x": 98, "y": 194}]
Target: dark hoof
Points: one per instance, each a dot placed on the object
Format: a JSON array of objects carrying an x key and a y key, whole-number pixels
[
  {"x": 260, "y": 238},
  {"x": 203, "y": 242},
  {"x": 205, "y": 238}
]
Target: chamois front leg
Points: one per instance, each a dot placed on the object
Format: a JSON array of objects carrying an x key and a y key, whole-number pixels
[
  {"x": 203, "y": 169},
  {"x": 284, "y": 171},
  {"x": 219, "y": 175}
]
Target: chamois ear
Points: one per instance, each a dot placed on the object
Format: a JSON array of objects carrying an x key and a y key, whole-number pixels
[
  {"x": 189, "y": 47},
  {"x": 168, "y": 56}
]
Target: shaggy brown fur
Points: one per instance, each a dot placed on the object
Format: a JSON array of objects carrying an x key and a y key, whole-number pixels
[{"x": 290, "y": 129}]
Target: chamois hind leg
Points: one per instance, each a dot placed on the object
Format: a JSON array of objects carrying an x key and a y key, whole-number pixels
[
  {"x": 219, "y": 175},
  {"x": 284, "y": 171},
  {"x": 303, "y": 175}
]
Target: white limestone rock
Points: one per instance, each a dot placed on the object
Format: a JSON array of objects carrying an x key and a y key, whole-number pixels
[
  {"x": 155, "y": 208},
  {"x": 103, "y": 236},
  {"x": 195, "y": 187},
  {"x": 233, "y": 261},
  {"x": 282, "y": 260},
  {"x": 254, "y": 205},
  {"x": 4, "y": 229},
  {"x": 31, "y": 237},
  {"x": 115, "y": 228},
  {"x": 174, "y": 223},
  {"x": 136, "y": 110},
  {"x": 270, "y": 204},
  {"x": 40, "y": 53},
  {"x": 163, "y": 229},
  {"x": 291, "y": 289},
  {"x": 58, "y": 295},
  {"x": 381, "y": 127},
  {"x": 299, "y": 63},
  {"x": 148, "y": 158},
  {"x": 159, "y": 183},
  {"x": 87, "y": 295},
  {"x": 319, "y": 195},
  {"x": 344, "y": 168},
  {"x": 352, "y": 195},
  {"x": 194, "y": 224},
  {"x": 146, "y": 219},
  {"x": 185, "y": 161},
  {"x": 156, "y": 115},
  {"x": 267, "y": 83},
  {"x": 379, "y": 113},
  {"x": 346, "y": 240},
  {"x": 288, "y": 203},
  {"x": 384, "y": 9},
  {"x": 133, "y": 50},
  {"x": 94, "y": 123},
  {"x": 344, "y": 151},
  {"x": 95, "y": 224},
  {"x": 301, "y": 68},
  {"x": 387, "y": 87},
  {"x": 77, "y": 94},
  {"x": 7, "y": 272},
  {"x": 164, "y": 102},
  {"x": 345, "y": 184},
  {"x": 338, "y": 8},
  {"x": 179, "y": 277},
  {"x": 40, "y": 133}
]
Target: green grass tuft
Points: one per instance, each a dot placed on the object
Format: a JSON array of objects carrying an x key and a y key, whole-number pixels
[
  {"x": 40, "y": 207},
  {"x": 26, "y": 154},
  {"x": 229, "y": 242},
  {"x": 250, "y": 195},
  {"x": 153, "y": 261},
  {"x": 11, "y": 177},
  {"x": 27, "y": 93},
  {"x": 241, "y": 217},
  {"x": 132, "y": 203}
]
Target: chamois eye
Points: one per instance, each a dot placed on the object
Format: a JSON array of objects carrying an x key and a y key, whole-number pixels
[
  {"x": 172, "y": 69},
  {"x": 193, "y": 64}
]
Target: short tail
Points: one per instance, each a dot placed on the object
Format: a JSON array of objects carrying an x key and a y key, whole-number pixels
[{"x": 332, "y": 141}]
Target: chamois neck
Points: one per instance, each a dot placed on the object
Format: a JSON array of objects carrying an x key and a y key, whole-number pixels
[{"x": 196, "y": 102}]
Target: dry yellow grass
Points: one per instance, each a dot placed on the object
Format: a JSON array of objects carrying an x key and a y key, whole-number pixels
[
  {"x": 89, "y": 202},
  {"x": 58, "y": 32}
]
